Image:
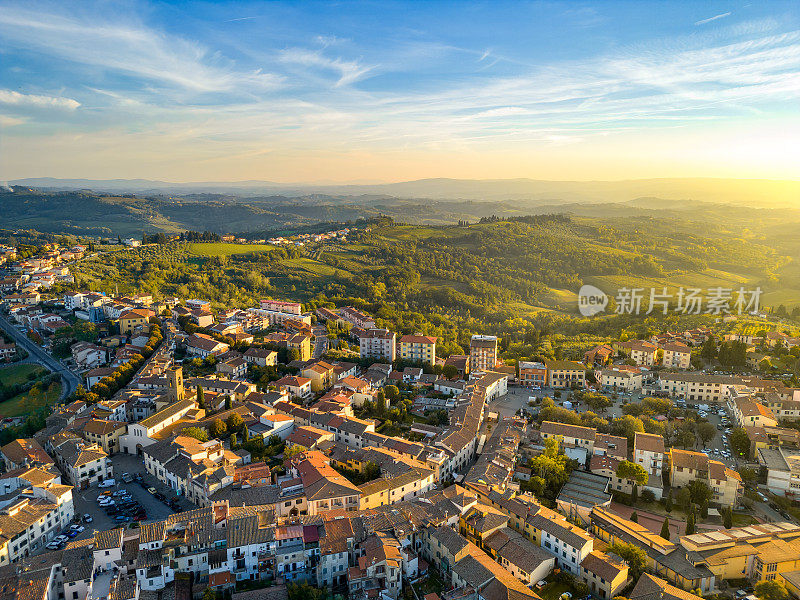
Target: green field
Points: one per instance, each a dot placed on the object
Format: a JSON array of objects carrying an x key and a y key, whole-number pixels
[
  {"x": 311, "y": 267},
  {"x": 19, "y": 373},
  {"x": 209, "y": 249}
]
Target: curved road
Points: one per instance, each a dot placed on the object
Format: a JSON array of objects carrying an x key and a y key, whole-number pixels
[{"x": 69, "y": 381}]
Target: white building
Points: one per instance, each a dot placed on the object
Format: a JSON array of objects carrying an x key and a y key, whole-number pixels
[{"x": 377, "y": 343}]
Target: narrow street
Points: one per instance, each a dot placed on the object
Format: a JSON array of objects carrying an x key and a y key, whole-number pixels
[{"x": 320, "y": 340}]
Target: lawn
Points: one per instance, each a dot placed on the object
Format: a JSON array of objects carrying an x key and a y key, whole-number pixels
[
  {"x": 24, "y": 403},
  {"x": 19, "y": 373},
  {"x": 553, "y": 590},
  {"x": 431, "y": 584},
  {"x": 740, "y": 520},
  {"x": 219, "y": 249}
]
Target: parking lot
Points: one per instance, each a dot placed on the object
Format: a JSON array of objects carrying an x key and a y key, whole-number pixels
[{"x": 86, "y": 500}]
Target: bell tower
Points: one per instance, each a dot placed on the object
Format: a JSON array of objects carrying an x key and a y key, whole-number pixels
[{"x": 175, "y": 383}]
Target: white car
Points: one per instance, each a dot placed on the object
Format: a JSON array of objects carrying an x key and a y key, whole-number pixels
[
  {"x": 78, "y": 528},
  {"x": 107, "y": 483}
]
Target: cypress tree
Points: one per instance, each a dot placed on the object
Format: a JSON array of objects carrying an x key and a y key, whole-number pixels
[
  {"x": 728, "y": 518},
  {"x": 668, "y": 505},
  {"x": 634, "y": 517},
  {"x": 665, "y": 529},
  {"x": 201, "y": 399},
  {"x": 690, "y": 526}
]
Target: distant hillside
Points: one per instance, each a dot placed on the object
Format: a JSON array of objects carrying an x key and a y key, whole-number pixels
[
  {"x": 89, "y": 213},
  {"x": 748, "y": 192}
]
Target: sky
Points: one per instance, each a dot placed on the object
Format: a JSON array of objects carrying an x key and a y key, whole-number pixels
[{"x": 393, "y": 91}]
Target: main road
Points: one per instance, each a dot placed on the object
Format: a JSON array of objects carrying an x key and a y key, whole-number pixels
[{"x": 69, "y": 381}]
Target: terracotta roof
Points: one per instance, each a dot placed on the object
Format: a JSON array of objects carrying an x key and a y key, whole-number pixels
[
  {"x": 649, "y": 442},
  {"x": 418, "y": 339}
]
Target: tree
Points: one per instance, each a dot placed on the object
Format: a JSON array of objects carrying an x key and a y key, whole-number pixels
[
  {"x": 683, "y": 498},
  {"x": 633, "y": 555},
  {"x": 771, "y": 590},
  {"x": 665, "y": 529},
  {"x": 217, "y": 428},
  {"x": 196, "y": 433},
  {"x": 690, "y": 524},
  {"x": 233, "y": 441},
  {"x": 627, "y": 426},
  {"x": 699, "y": 491},
  {"x": 706, "y": 432},
  {"x": 201, "y": 399},
  {"x": 632, "y": 471},
  {"x": 449, "y": 372},
  {"x": 740, "y": 442},
  {"x": 209, "y": 594},
  {"x": 728, "y": 518},
  {"x": 685, "y": 437},
  {"x": 293, "y": 451},
  {"x": 668, "y": 503},
  {"x": 634, "y": 517},
  {"x": 634, "y": 494},
  {"x": 648, "y": 496},
  {"x": 392, "y": 392},
  {"x": 234, "y": 422},
  {"x": 704, "y": 509},
  {"x": 228, "y": 402},
  {"x": 596, "y": 402}
]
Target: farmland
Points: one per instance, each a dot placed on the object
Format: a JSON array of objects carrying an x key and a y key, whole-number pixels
[{"x": 208, "y": 249}]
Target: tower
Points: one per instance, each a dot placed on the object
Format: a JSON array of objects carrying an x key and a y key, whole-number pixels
[{"x": 175, "y": 383}]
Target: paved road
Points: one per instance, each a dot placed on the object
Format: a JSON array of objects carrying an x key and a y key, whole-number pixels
[
  {"x": 69, "y": 381},
  {"x": 320, "y": 340}
]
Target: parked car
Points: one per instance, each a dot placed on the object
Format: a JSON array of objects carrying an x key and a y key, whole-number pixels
[
  {"x": 107, "y": 483},
  {"x": 152, "y": 490},
  {"x": 121, "y": 492},
  {"x": 127, "y": 478},
  {"x": 123, "y": 519},
  {"x": 87, "y": 518},
  {"x": 72, "y": 533}
]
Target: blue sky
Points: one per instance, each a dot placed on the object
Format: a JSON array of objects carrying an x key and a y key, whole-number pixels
[{"x": 385, "y": 91}]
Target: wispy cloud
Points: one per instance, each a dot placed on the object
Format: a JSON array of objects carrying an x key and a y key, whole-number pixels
[
  {"x": 18, "y": 99},
  {"x": 128, "y": 46},
  {"x": 714, "y": 18},
  {"x": 349, "y": 71}
]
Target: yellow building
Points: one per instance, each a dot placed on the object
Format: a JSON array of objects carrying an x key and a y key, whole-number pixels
[
  {"x": 418, "y": 348},
  {"x": 758, "y": 552},
  {"x": 105, "y": 434},
  {"x": 320, "y": 374},
  {"x": 131, "y": 319},
  {"x": 605, "y": 574},
  {"x": 301, "y": 343}
]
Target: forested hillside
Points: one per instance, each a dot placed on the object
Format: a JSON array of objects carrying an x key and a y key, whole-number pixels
[
  {"x": 514, "y": 277},
  {"x": 88, "y": 213}
]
